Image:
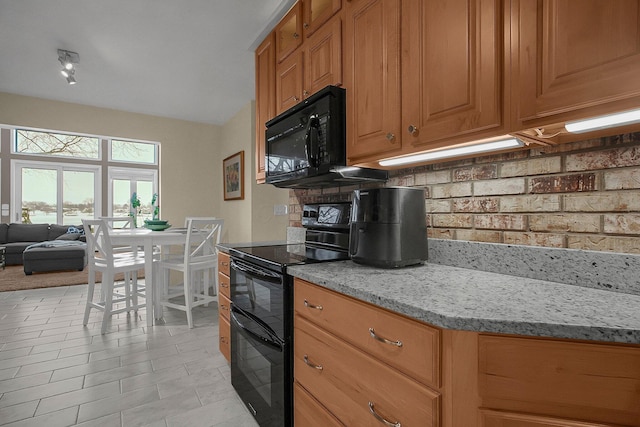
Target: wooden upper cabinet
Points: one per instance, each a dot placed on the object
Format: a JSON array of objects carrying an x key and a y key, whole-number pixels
[
  {"x": 372, "y": 78},
  {"x": 289, "y": 32},
  {"x": 289, "y": 76},
  {"x": 265, "y": 57},
  {"x": 317, "y": 12},
  {"x": 452, "y": 70},
  {"x": 307, "y": 70},
  {"x": 574, "y": 59},
  {"x": 323, "y": 58}
]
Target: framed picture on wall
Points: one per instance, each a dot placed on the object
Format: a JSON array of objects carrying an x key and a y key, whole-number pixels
[{"x": 233, "y": 176}]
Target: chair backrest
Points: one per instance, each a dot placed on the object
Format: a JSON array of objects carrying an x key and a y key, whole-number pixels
[
  {"x": 188, "y": 218},
  {"x": 99, "y": 245},
  {"x": 117, "y": 222},
  {"x": 203, "y": 234}
]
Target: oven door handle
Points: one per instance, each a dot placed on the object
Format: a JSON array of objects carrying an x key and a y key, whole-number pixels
[
  {"x": 256, "y": 272},
  {"x": 268, "y": 341}
]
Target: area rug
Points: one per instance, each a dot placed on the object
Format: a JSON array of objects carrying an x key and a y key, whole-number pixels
[{"x": 13, "y": 278}]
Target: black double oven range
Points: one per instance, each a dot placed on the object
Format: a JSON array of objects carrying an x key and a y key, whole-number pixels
[{"x": 262, "y": 310}]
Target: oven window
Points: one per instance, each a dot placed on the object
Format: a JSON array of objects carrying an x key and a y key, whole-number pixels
[
  {"x": 258, "y": 370},
  {"x": 257, "y": 367},
  {"x": 261, "y": 298}
]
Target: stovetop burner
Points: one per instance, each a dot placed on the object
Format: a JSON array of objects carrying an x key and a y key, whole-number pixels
[{"x": 278, "y": 257}]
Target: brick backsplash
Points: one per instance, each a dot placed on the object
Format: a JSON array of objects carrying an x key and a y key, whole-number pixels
[{"x": 582, "y": 195}]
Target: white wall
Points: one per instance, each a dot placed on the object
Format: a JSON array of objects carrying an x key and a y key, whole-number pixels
[{"x": 251, "y": 219}]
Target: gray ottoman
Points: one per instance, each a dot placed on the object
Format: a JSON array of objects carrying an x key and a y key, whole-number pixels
[{"x": 41, "y": 259}]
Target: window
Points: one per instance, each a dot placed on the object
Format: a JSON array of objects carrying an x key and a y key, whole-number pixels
[
  {"x": 62, "y": 177},
  {"x": 56, "y": 144},
  {"x": 55, "y": 193},
  {"x": 130, "y": 151},
  {"x": 123, "y": 182}
]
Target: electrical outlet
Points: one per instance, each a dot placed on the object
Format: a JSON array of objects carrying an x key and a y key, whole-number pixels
[{"x": 280, "y": 210}]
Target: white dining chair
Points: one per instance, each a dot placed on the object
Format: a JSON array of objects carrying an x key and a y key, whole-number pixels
[
  {"x": 101, "y": 258},
  {"x": 198, "y": 265}
]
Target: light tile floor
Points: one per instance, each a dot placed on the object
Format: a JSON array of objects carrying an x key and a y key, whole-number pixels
[{"x": 56, "y": 372}]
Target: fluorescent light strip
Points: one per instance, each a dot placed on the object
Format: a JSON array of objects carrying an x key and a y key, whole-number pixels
[
  {"x": 603, "y": 122},
  {"x": 454, "y": 152}
]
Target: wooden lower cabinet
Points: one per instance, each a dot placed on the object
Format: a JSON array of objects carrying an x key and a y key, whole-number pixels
[
  {"x": 485, "y": 380},
  {"x": 224, "y": 305},
  {"x": 597, "y": 382},
  {"x": 362, "y": 364},
  {"x": 307, "y": 411},
  {"x": 509, "y": 419},
  {"x": 225, "y": 338},
  {"x": 411, "y": 347},
  {"x": 354, "y": 386}
]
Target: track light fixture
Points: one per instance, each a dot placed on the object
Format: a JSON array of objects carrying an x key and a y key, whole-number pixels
[{"x": 68, "y": 60}]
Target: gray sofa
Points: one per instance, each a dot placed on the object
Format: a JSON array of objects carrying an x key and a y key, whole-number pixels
[{"x": 16, "y": 237}]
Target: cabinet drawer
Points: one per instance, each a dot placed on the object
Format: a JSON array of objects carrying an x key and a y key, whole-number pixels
[
  {"x": 224, "y": 307},
  {"x": 573, "y": 380},
  {"x": 347, "y": 381},
  {"x": 224, "y": 287},
  {"x": 352, "y": 320},
  {"x": 308, "y": 412},
  {"x": 223, "y": 263},
  {"x": 225, "y": 337},
  {"x": 509, "y": 419}
]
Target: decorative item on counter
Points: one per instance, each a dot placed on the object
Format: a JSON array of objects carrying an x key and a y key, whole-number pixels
[
  {"x": 156, "y": 207},
  {"x": 135, "y": 209}
]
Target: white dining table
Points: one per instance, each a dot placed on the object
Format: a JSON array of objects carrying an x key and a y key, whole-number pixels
[{"x": 148, "y": 239}]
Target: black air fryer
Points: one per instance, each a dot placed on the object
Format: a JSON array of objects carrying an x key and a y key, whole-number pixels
[{"x": 388, "y": 227}]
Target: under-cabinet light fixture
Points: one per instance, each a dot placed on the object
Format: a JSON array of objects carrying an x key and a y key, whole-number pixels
[
  {"x": 604, "y": 122},
  {"x": 68, "y": 60},
  {"x": 482, "y": 147}
]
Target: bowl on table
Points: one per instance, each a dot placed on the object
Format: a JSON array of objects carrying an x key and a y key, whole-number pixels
[
  {"x": 156, "y": 221},
  {"x": 156, "y": 225}
]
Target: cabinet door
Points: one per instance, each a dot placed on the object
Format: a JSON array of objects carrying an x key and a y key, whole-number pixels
[
  {"x": 353, "y": 385},
  {"x": 308, "y": 412},
  {"x": 265, "y": 98},
  {"x": 323, "y": 58},
  {"x": 289, "y": 82},
  {"x": 224, "y": 329},
  {"x": 372, "y": 78},
  {"x": 289, "y": 32},
  {"x": 224, "y": 263},
  {"x": 509, "y": 419},
  {"x": 452, "y": 70},
  {"x": 317, "y": 12},
  {"x": 574, "y": 59},
  {"x": 564, "y": 379},
  {"x": 373, "y": 330}
]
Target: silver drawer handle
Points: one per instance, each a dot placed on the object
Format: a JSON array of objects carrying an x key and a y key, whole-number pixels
[
  {"x": 317, "y": 307},
  {"x": 313, "y": 365},
  {"x": 381, "y": 419},
  {"x": 384, "y": 340}
]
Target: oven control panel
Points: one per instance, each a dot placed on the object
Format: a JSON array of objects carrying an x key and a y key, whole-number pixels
[{"x": 327, "y": 215}]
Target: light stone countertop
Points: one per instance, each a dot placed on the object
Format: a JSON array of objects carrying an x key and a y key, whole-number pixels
[{"x": 473, "y": 300}]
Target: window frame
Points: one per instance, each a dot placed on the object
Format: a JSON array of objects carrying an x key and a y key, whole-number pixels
[{"x": 16, "y": 178}]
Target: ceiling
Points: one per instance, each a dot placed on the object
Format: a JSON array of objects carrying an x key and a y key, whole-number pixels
[{"x": 183, "y": 59}]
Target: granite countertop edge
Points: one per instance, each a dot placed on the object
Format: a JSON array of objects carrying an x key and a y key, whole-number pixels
[{"x": 472, "y": 300}]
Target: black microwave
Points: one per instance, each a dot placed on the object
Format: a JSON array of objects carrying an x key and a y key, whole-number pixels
[{"x": 306, "y": 145}]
